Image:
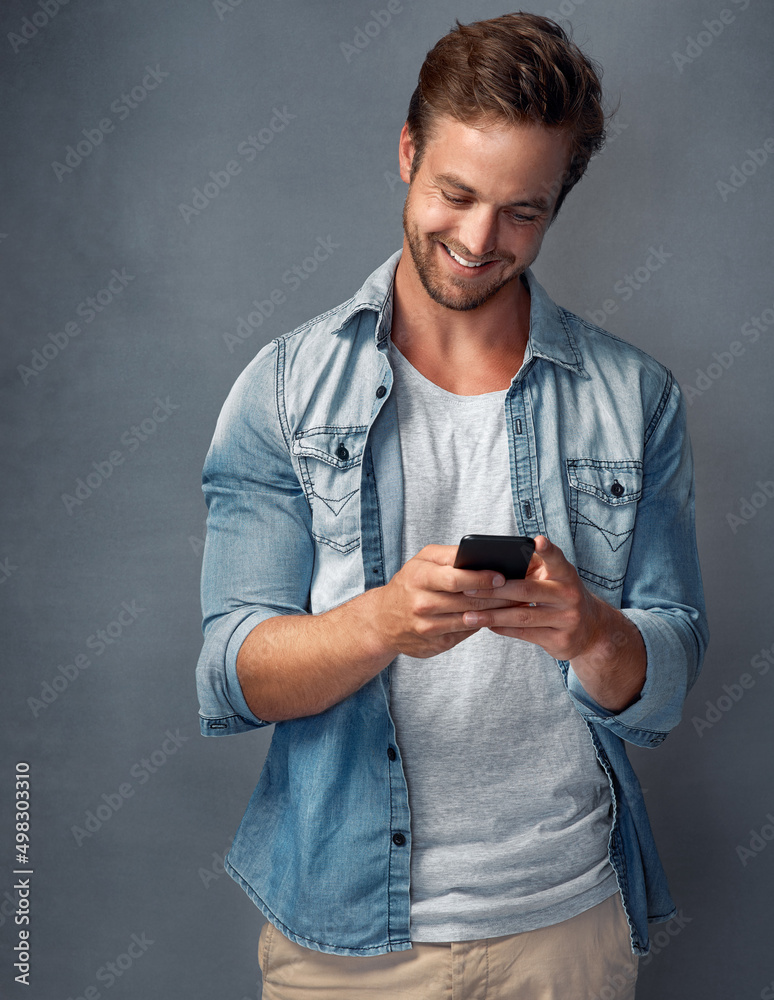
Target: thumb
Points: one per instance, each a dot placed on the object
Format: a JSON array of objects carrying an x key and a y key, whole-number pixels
[
  {"x": 550, "y": 555},
  {"x": 443, "y": 555}
]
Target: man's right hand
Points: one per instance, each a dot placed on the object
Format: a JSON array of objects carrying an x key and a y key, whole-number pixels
[{"x": 296, "y": 665}]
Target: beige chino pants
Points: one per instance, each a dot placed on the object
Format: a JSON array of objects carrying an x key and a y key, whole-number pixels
[{"x": 588, "y": 957}]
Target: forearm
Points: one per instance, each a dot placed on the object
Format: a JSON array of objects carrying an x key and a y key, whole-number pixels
[
  {"x": 613, "y": 666},
  {"x": 296, "y": 665}
]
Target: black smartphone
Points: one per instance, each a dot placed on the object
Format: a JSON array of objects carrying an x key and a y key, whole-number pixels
[{"x": 506, "y": 554}]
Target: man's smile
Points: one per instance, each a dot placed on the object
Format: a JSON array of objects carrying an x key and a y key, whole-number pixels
[{"x": 463, "y": 260}]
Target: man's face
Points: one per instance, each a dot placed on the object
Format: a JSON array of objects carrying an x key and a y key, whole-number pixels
[{"x": 486, "y": 196}]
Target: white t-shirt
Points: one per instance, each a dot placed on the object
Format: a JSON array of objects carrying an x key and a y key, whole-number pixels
[{"x": 510, "y": 808}]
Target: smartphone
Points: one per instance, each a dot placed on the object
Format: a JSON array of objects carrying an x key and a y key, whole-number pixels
[{"x": 506, "y": 554}]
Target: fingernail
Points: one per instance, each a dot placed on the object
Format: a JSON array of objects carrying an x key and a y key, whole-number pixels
[
  {"x": 470, "y": 593},
  {"x": 498, "y": 581},
  {"x": 470, "y": 618}
]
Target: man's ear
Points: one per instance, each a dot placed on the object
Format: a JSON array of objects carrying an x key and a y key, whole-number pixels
[{"x": 406, "y": 150}]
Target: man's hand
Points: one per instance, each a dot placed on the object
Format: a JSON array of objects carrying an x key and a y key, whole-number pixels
[
  {"x": 295, "y": 665},
  {"x": 420, "y": 612},
  {"x": 554, "y": 610}
]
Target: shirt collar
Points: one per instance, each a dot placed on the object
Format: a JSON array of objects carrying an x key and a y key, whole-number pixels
[
  {"x": 550, "y": 336},
  {"x": 375, "y": 295}
]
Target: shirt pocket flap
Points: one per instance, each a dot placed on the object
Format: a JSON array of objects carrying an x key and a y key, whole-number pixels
[
  {"x": 612, "y": 482},
  {"x": 340, "y": 447}
]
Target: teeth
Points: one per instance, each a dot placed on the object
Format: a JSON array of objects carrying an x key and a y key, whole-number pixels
[{"x": 461, "y": 260}]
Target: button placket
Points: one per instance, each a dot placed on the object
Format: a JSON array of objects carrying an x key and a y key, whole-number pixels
[{"x": 523, "y": 466}]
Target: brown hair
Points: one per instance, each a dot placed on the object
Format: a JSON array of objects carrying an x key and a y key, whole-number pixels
[{"x": 521, "y": 68}]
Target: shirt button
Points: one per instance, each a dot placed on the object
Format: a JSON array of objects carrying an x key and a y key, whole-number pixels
[
  {"x": 342, "y": 453},
  {"x": 398, "y": 839},
  {"x": 391, "y": 753},
  {"x": 381, "y": 391},
  {"x": 616, "y": 489}
]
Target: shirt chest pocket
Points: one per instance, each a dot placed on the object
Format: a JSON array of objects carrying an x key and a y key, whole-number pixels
[
  {"x": 603, "y": 508},
  {"x": 330, "y": 461}
]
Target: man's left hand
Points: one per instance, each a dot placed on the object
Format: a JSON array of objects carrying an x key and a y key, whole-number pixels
[{"x": 553, "y": 609}]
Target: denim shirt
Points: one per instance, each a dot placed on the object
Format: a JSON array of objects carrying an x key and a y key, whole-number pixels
[{"x": 303, "y": 483}]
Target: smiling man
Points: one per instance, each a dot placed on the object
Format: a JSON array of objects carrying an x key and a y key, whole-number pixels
[{"x": 447, "y": 808}]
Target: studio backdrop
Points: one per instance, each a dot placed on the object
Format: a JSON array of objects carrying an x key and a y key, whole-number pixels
[{"x": 184, "y": 180}]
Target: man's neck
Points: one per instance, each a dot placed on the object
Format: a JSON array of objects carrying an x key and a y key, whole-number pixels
[{"x": 466, "y": 352}]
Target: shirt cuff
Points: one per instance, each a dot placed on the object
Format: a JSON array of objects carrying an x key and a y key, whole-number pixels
[
  {"x": 658, "y": 708},
  {"x": 234, "y": 692}
]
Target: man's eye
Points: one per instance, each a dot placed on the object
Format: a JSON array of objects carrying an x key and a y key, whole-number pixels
[{"x": 454, "y": 201}]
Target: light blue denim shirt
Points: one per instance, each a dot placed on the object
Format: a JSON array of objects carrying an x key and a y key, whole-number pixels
[{"x": 303, "y": 483}]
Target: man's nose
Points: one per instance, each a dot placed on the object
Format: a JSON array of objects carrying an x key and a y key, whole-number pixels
[{"x": 478, "y": 233}]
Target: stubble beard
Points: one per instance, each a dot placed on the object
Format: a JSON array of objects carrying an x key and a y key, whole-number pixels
[{"x": 438, "y": 286}]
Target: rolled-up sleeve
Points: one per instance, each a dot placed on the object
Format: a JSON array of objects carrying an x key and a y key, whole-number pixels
[
  {"x": 662, "y": 592},
  {"x": 259, "y": 551}
]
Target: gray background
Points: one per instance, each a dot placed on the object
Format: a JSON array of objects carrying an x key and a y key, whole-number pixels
[{"x": 152, "y": 866}]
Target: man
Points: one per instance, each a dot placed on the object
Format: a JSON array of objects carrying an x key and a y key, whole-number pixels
[{"x": 447, "y": 807}]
